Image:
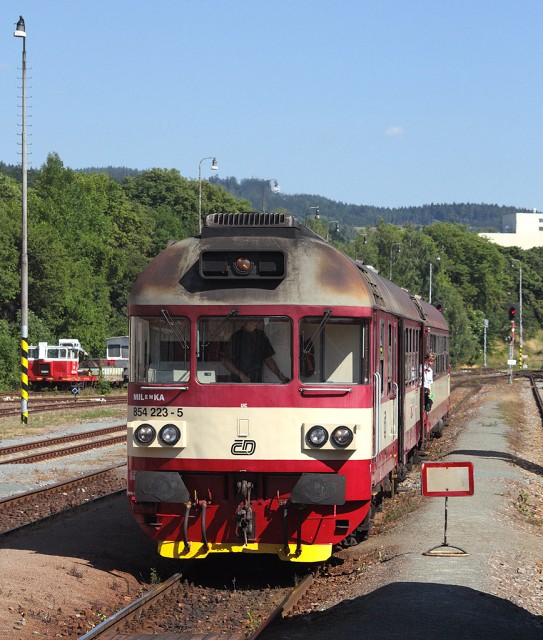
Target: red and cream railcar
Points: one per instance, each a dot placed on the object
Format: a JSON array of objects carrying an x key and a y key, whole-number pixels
[
  {"x": 288, "y": 463},
  {"x": 58, "y": 366}
]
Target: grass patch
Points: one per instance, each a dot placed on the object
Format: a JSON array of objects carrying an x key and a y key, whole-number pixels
[{"x": 48, "y": 421}]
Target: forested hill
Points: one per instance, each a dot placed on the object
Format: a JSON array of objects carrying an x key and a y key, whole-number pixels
[
  {"x": 481, "y": 217},
  {"x": 484, "y": 217}
]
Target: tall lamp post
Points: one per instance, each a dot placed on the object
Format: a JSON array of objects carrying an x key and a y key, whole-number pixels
[
  {"x": 20, "y": 32},
  {"x": 336, "y": 228},
  {"x": 513, "y": 260},
  {"x": 274, "y": 187},
  {"x": 317, "y": 214},
  {"x": 214, "y": 167},
  {"x": 396, "y": 244},
  {"x": 430, "y": 289}
]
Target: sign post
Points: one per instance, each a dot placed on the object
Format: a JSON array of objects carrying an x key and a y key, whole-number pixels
[{"x": 444, "y": 479}]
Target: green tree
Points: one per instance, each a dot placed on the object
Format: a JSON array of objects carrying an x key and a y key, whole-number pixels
[
  {"x": 10, "y": 367},
  {"x": 10, "y": 248}
]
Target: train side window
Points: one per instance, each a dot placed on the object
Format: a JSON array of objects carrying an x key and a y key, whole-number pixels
[
  {"x": 244, "y": 344},
  {"x": 334, "y": 351},
  {"x": 406, "y": 357},
  {"x": 160, "y": 350},
  {"x": 382, "y": 356},
  {"x": 391, "y": 359}
]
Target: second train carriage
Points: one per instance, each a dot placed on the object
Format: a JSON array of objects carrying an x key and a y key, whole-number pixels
[{"x": 291, "y": 462}]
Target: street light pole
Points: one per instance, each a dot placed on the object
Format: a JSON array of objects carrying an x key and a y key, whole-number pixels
[
  {"x": 20, "y": 32},
  {"x": 520, "y": 362},
  {"x": 485, "y": 327},
  {"x": 214, "y": 167},
  {"x": 430, "y": 291},
  {"x": 396, "y": 244},
  {"x": 317, "y": 214},
  {"x": 274, "y": 188}
]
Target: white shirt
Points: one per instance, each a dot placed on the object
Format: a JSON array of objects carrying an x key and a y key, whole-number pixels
[{"x": 428, "y": 375}]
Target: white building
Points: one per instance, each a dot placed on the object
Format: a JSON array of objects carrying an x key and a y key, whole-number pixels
[{"x": 524, "y": 230}]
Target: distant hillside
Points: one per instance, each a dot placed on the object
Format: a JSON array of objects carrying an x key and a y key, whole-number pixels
[
  {"x": 115, "y": 173},
  {"x": 483, "y": 217}
]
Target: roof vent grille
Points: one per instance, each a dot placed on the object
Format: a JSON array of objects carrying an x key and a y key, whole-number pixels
[{"x": 253, "y": 219}]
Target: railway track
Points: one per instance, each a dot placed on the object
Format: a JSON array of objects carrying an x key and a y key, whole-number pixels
[
  {"x": 50, "y": 448},
  {"x": 536, "y": 380},
  {"x": 34, "y": 506},
  {"x": 151, "y": 607}
]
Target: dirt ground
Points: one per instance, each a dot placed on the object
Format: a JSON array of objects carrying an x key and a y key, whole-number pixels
[{"x": 63, "y": 580}]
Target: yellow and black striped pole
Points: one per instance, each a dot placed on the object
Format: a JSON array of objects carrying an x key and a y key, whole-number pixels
[
  {"x": 20, "y": 32},
  {"x": 24, "y": 380}
]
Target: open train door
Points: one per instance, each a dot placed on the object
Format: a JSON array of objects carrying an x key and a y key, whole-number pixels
[
  {"x": 389, "y": 391},
  {"x": 425, "y": 423}
]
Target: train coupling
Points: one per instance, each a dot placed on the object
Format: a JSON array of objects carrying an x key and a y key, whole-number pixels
[
  {"x": 245, "y": 522},
  {"x": 245, "y": 525}
]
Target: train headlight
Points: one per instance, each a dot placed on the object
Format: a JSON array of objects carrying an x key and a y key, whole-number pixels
[
  {"x": 145, "y": 434},
  {"x": 169, "y": 435},
  {"x": 317, "y": 436},
  {"x": 243, "y": 266},
  {"x": 342, "y": 436}
]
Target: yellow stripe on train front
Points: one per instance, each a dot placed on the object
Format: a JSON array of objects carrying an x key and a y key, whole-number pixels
[{"x": 308, "y": 553}]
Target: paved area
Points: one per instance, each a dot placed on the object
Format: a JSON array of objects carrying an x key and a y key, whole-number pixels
[{"x": 420, "y": 596}]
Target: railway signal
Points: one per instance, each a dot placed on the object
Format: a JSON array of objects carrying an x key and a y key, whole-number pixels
[
  {"x": 511, "y": 362},
  {"x": 439, "y": 306}
]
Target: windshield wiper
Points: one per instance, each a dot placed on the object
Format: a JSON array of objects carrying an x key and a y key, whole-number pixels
[
  {"x": 308, "y": 344},
  {"x": 217, "y": 330},
  {"x": 174, "y": 328}
]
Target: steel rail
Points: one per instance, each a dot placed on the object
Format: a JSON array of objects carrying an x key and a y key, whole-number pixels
[
  {"x": 537, "y": 391},
  {"x": 286, "y": 606},
  {"x": 66, "y": 404},
  {"x": 133, "y": 609},
  {"x": 66, "y": 451},
  {"x": 51, "y": 442},
  {"x": 35, "y": 494}
]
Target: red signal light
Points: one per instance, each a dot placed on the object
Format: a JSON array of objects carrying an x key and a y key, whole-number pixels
[{"x": 512, "y": 312}]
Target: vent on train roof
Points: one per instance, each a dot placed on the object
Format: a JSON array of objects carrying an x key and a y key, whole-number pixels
[
  {"x": 253, "y": 219},
  {"x": 374, "y": 287}
]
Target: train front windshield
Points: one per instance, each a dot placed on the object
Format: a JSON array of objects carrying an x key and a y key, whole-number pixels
[
  {"x": 244, "y": 349},
  {"x": 250, "y": 349},
  {"x": 160, "y": 349}
]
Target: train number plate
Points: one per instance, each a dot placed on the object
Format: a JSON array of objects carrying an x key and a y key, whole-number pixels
[{"x": 155, "y": 412}]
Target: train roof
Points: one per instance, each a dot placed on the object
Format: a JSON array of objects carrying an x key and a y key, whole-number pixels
[{"x": 315, "y": 273}]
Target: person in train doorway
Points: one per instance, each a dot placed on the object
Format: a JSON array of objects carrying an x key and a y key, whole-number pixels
[
  {"x": 428, "y": 380},
  {"x": 249, "y": 349}
]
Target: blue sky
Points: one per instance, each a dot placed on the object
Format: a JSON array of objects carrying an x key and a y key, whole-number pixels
[{"x": 388, "y": 103}]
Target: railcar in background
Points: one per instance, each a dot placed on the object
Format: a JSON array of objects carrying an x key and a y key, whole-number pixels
[
  {"x": 58, "y": 366},
  {"x": 293, "y": 461},
  {"x": 114, "y": 367}
]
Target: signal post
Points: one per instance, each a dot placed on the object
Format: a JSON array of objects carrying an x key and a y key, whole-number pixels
[{"x": 512, "y": 362}]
